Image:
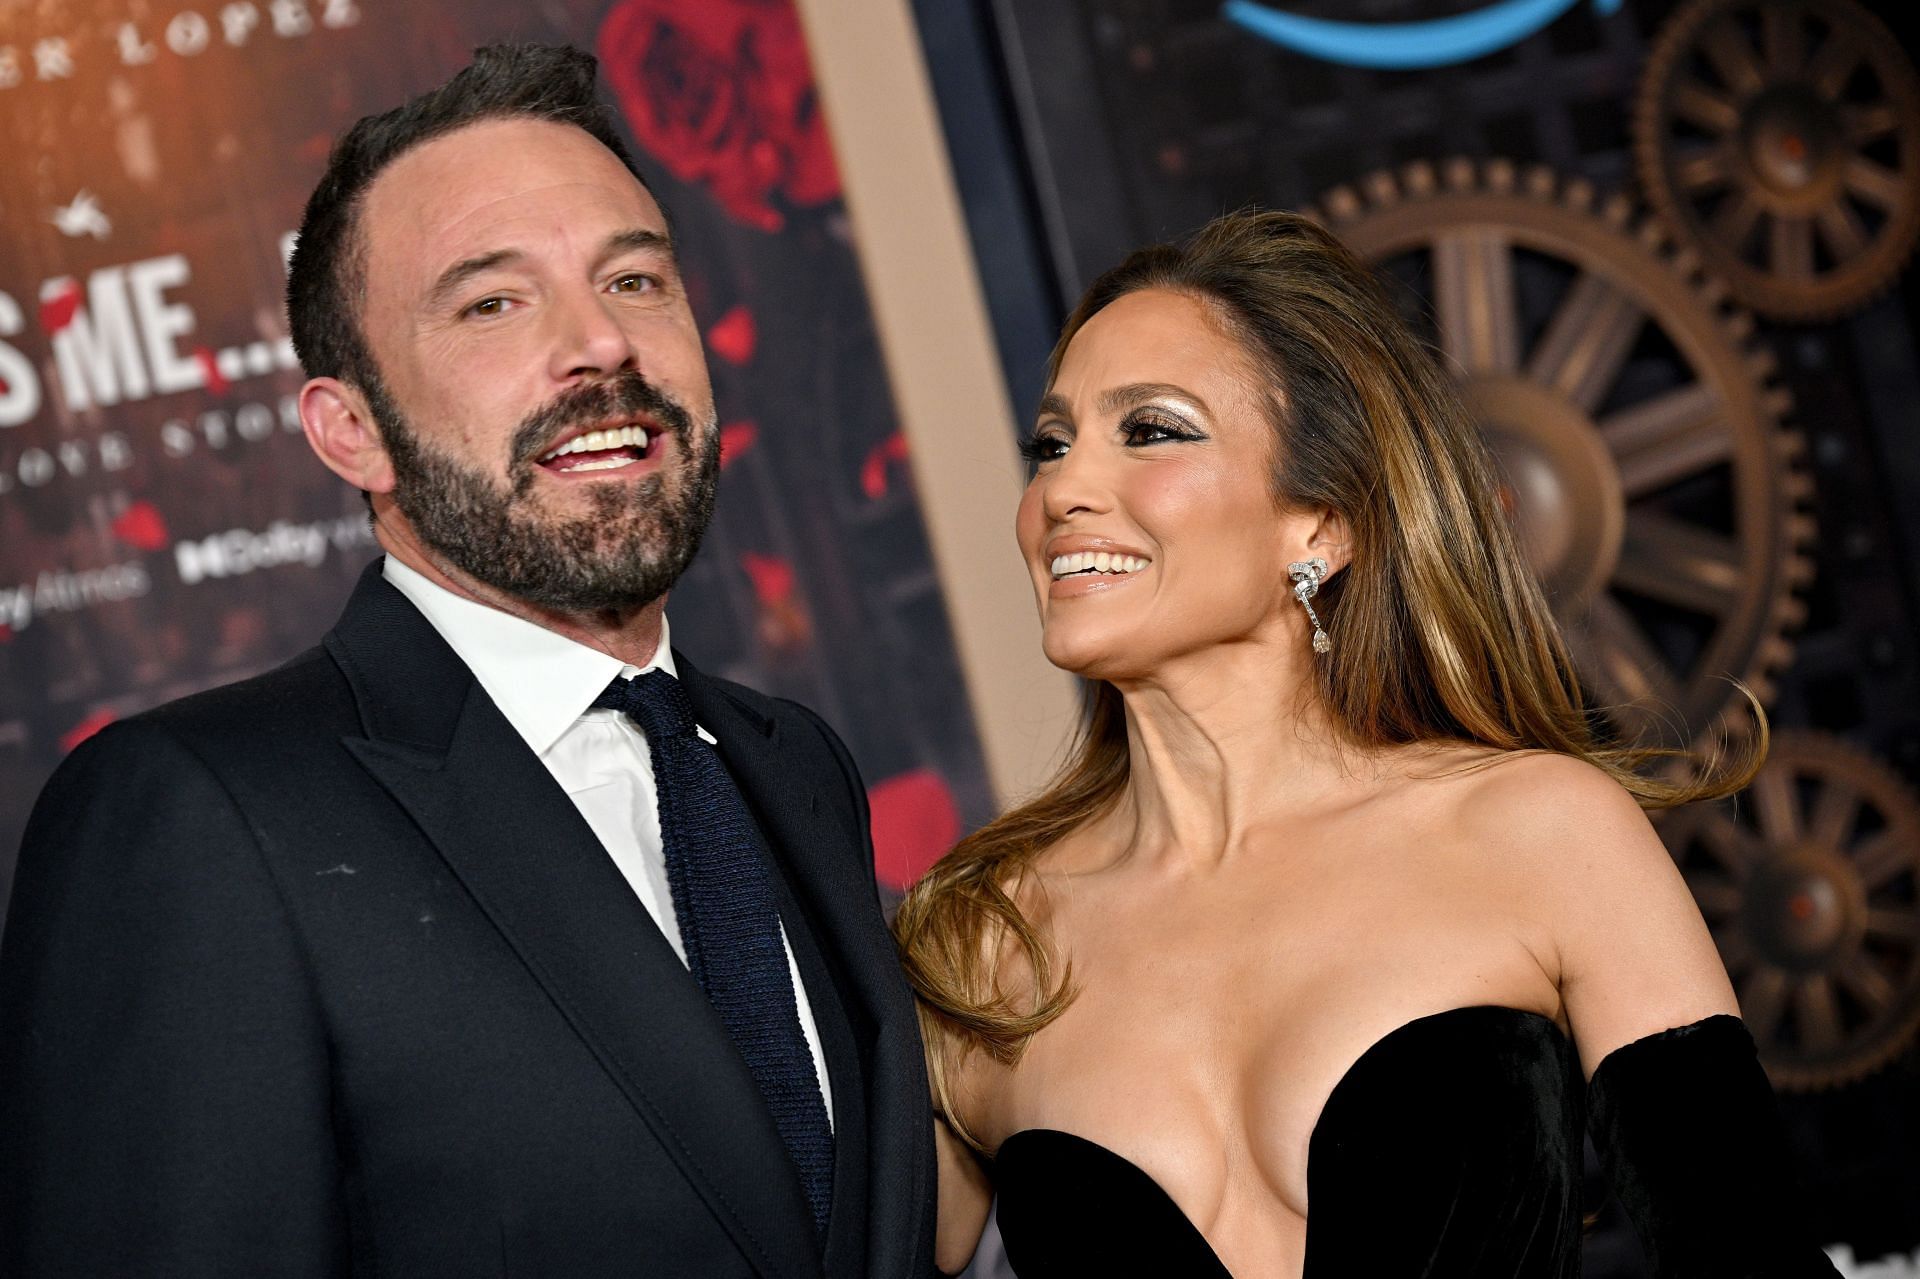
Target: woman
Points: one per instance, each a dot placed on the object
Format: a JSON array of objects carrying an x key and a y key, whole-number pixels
[{"x": 1341, "y": 901}]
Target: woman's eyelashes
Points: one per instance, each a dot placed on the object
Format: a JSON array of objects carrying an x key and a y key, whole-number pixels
[
  {"x": 1138, "y": 430},
  {"x": 1042, "y": 446},
  {"x": 1141, "y": 429}
]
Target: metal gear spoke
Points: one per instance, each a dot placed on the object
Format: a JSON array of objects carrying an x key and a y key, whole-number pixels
[
  {"x": 1639, "y": 435},
  {"x": 1781, "y": 139},
  {"x": 1811, "y": 887}
]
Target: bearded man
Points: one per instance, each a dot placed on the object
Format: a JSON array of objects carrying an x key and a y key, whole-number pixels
[{"x": 489, "y": 936}]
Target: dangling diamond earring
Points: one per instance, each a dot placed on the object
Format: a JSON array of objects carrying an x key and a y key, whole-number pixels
[{"x": 1307, "y": 576}]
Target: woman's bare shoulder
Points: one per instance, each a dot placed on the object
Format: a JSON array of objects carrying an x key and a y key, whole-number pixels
[
  {"x": 1630, "y": 950},
  {"x": 1547, "y": 805}
]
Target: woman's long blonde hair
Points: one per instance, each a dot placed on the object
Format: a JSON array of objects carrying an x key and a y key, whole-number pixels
[{"x": 1442, "y": 632}]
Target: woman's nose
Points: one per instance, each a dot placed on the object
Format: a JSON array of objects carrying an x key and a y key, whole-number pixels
[{"x": 1077, "y": 484}]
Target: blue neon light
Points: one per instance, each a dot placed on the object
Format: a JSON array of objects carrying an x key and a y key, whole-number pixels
[{"x": 1406, "y": 46}]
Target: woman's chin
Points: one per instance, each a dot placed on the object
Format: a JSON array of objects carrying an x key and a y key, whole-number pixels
[{"x": 1091, "y": 657}]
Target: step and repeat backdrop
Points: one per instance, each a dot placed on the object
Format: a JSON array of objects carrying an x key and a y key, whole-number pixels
[
  {"x": 1663, "y": 247},
  {"x": 163, "y": 526}
]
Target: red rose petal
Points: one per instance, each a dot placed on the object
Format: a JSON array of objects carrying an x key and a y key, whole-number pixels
[
  {"x": 721, "y": 93},
  {"x": 873, "y": 472},
  {"x": 85, "y": 728},
  {"x": 914, "y": 822},
  {"x": 733, "y": 336},
  {"x": 58, "y": 305},
  {"x": 210, "y": 370},
  {"x": 141, "y": 527},
  {"x": 736, "y": 438},
  {"x": 772, "y": 577}
]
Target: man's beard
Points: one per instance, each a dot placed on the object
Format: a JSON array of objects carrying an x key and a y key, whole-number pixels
[{"x": 629, "y": 551}]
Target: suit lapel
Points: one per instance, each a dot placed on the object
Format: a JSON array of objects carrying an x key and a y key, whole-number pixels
[
  {"x": 440, "y": 747},
  {"x": 819, "y": 856}
]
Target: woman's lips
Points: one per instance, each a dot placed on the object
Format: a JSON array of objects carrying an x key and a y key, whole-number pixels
[{"x": 1075, "y": 585}]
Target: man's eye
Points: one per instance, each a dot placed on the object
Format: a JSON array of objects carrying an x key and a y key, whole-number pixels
[
  {"x": 488, "y": 307},
  {"x": 634, "y": 283}
]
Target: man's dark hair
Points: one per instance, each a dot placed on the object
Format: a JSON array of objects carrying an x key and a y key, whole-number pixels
[{"x": 326, "y": 278}]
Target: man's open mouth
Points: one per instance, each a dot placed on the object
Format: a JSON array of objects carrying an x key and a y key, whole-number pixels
[{"x": 604, "y": 450}]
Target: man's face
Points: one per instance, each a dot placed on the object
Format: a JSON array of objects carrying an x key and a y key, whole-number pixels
[{"x": 545, "y": 401}]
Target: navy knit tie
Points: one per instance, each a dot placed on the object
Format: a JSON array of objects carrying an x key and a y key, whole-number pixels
[{"x": 729, "y": 925}]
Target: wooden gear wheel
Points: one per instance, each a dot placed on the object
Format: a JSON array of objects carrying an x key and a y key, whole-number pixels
[
  {"x": 1781, "y": 139},
  {"x": 1640, "y": 437},
  {"x": 1811, "y": 884}
]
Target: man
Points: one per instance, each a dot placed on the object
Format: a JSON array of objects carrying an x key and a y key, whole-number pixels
[{"x": 489, "y": 937}]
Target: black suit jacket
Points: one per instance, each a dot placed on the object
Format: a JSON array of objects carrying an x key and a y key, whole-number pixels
[{"x": 322, "y": 973}]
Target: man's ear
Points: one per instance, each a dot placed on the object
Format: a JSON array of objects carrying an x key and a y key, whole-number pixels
[{"x": 341, "y": 430}]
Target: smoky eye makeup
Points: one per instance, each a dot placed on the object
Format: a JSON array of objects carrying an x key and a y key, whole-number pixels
[{"x": 1156, "y": 426}]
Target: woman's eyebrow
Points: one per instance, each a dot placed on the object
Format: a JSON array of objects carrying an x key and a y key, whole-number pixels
[
  {"x": 1115, "y": 399},
  {"x": 1118, "y": 398}
]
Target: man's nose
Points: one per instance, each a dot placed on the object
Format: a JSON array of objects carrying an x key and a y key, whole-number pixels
[{"x": 589, "y": 339}]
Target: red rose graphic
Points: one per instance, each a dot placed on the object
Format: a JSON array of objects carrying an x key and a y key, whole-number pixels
[
  {"x": 210, "y": 370},
  {"x": 59, "y": 300},
  {"x": 141, "y": 527},
  {"x": 873, "y": 472},
  {"x": 736, "y": 438},
  {"x": 734, "y": 336},
  {"x": 914, "y": 822},
  {"x": 721, "y": 93},
  {"x": 85, "y": 728},
  {"x": 784, "y": 625}
]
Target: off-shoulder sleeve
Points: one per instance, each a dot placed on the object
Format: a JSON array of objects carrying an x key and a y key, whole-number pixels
[{"x": 1686, "y": 1125}]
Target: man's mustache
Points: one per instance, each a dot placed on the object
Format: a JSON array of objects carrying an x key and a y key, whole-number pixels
[{"x": 625, "y": 394}]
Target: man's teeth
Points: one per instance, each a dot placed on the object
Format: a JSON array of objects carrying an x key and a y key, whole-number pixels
[
  {"x": 1096, "y": 562},
  {"x": 599, "y": 441}
]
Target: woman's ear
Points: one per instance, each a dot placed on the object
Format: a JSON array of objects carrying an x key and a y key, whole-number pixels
[
  {"x": 341, "y": 430},
  {"x": 1331, "y": 539}
]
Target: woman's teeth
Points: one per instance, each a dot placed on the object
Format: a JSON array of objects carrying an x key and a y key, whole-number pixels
[
  {"x": 1096, "y": 562},
  {"x": 600, "y": 441}
]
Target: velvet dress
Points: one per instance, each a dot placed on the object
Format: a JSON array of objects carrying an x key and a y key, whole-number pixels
[{"x": 1452, "y": 1147}]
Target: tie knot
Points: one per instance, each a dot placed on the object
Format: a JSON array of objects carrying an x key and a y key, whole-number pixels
[{"x": 655, "y": 701}]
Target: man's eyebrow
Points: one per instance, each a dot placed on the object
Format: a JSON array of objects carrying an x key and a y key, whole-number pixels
[
  {"x": 460, "y": 272},
  {"x": 450, "y": 280},
  {"x": 639, "y": 239}
]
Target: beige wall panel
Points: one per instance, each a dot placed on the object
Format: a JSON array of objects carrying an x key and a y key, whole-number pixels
[{"x": 944, "y": 371}]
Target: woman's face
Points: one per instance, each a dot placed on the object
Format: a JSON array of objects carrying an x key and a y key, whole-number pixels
[{"x": 1149, "y": 526}]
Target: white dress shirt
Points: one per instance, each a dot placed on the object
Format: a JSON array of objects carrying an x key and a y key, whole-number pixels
[{"x": 545, "y": 683}]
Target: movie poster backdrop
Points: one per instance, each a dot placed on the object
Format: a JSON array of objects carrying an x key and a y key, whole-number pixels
[{"x": 163, "y": 525}]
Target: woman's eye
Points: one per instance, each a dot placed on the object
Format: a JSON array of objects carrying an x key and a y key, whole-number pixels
[
  {"x": 1146, "y": 430},
  {"x": 1043, "y": 448}
]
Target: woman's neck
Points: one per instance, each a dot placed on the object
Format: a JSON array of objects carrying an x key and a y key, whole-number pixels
[{"x": 1222, "y": 747}]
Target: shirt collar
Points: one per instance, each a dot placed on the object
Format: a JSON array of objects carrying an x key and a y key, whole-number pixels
[{"x": 542, "y": 681}]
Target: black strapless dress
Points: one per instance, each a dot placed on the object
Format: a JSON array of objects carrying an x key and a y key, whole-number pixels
[{"x": 1453, "y": 1148}]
